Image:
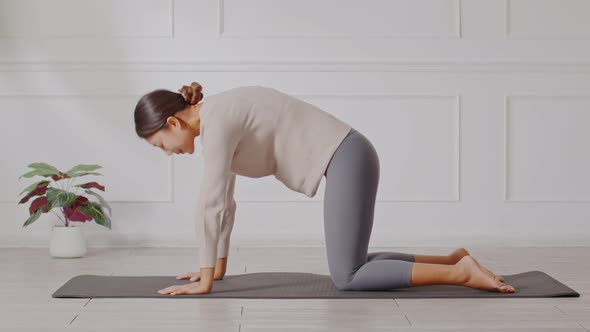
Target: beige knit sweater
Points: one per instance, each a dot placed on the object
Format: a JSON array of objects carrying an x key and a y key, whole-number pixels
[{"x": 256, "y": 131}]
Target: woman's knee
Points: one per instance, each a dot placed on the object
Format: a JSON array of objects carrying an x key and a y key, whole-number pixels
[
  {"x": 376, "y": 275},
  {"x": 342, "y": 286},
  {"x": 341, "y": 282}
]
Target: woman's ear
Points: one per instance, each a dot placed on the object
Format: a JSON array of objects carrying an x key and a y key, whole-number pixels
[{"x": 173, "y": 121}]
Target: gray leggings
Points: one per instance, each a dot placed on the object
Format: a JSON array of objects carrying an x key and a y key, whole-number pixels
[{"x": 352, "y": 177}]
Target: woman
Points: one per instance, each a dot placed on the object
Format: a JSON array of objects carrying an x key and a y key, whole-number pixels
[{"x": 256, "y": 131}]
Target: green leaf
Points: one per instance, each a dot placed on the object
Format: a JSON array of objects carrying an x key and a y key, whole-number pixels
[
  {"x": 35, "y": 173},
  {"x": 96, "y": 212},
  {"x": 41, "y": 169},
  {"x": 59, "y": 197},
  {"x": 82, "y": 168},
  {"x": 101, "y": 199},
  {"x": 33, "y": 217},
  {"x": 44, "y": 166},
  {"x": 85, "y": 173}
]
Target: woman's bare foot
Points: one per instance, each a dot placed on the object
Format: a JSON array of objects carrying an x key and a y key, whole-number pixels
[
  {"x": 476, "y": 277},
  {"x": 462, "y": 252}
]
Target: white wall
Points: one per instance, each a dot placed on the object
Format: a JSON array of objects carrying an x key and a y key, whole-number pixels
[{"x": 479, "y": 109}]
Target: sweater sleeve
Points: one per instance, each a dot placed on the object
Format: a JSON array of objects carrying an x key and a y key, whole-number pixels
[
  {"x": 227, "y": 221},
  {"x": 219, "y": 142}
]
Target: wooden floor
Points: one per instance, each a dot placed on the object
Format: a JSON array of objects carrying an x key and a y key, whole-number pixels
[{"x": 30, "y": 276}]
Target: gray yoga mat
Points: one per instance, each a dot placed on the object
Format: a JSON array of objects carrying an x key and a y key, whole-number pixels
[{"x": 281, "y": 285}]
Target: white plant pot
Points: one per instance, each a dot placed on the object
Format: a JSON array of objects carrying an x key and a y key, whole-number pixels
[{"x": 67, "y": 242}]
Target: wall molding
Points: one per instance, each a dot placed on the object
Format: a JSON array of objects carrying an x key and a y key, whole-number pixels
[
  {"x": 508, "y": 33},
  {"x": 169, "y": 36},
  {"x": 506, "y": 153},
  {"x": 221, "y": 33},
  {"x": 303, "y": 65}
]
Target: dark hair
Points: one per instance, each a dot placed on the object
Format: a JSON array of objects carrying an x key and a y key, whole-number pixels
[{"x": 154, "y": 108}]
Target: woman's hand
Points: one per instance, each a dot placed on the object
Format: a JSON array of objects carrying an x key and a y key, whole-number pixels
[
  {"x": 192, "y": 94},
  {"x": 196, "y": 276},
  {"x": 192, "y": 288},
  {"x": 202, "y": 287},
  {"x": 218, "y": 274}
]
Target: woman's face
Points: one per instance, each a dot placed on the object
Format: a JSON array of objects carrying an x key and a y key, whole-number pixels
[{"x": 177, "y": 138}]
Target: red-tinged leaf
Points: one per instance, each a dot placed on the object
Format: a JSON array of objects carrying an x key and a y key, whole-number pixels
[
  {"x": 91, "y": 185},
  {"x": 40, "y": 190},
  {"x": 61, "y": 175},
  {"x": 33, "y": 186},
  {"x": 39, "y": 203},
  {"x": 80, "y": 200},
  {"x": 77, "y": 214}
]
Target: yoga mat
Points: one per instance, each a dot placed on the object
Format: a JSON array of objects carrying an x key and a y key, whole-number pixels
[{"x": 282, "y": 285}]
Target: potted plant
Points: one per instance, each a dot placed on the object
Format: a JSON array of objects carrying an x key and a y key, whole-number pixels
[{"x": 67, "y": 241}]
